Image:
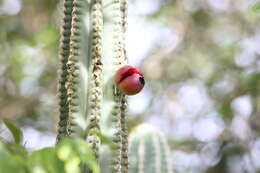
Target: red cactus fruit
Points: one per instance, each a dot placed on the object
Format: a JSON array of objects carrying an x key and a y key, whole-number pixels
[{"x": 129, "y": 80}]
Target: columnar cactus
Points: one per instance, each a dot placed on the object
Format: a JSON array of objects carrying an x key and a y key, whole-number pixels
[
  {"x": 148, "y": 151},
  {"x": 95, "y": 88},
  {"x": 74, "y": 70},
  {"x": 124, "y": 154},
  {"x": 91, "y": 52},
  {"x": 113, "y": 117},
  {"x": 64, "y": 126}
]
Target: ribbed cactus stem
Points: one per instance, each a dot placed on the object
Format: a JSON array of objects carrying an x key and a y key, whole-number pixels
[
  {"x": 63, "y": 72},
  {"x": 73, "y": 82},
  {"x": 165, "y": 155},
  {"x": 92, "y": 50},
  {"x": 119, "y": 55},
  {"x": 124, "y": 9},
  {"x": 117, "y": 137},
  {"x": 124, "y": 153},
  {"x": 123, "y": 107},
  {"x": 148, "y": 151},
  {"x": 73, "y": 62},
  {"x": 95, "y": 91}
]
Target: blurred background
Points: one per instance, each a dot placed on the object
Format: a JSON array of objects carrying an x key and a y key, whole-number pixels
[{"x": 201, "y": 60}]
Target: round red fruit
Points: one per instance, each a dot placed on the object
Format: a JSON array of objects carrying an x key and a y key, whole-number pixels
[{"x": 129, "y": 80}]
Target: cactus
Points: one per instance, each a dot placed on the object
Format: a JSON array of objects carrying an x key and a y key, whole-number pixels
[
  {"x": 74, "y": 69},
  {"x": 92, "y": 49},
  {"x": 148, "y": 151}
]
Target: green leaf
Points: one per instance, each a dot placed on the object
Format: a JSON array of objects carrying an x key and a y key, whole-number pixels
[
  {"x": 11, "y": 163},
  {"x": 75, "y": 153},
  {"x": 16, "y": 131},
  {"x": 106, "y": 140},
  {"x": 45, "y": 160},
  {"x": 17, "y": 149}
]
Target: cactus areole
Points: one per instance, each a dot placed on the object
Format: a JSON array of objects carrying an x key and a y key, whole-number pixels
[{"x": 129, "y": 80}]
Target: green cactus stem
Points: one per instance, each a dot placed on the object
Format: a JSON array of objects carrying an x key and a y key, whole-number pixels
[
  {"x": 78, "y": 67},
  {"x": 74, "y": 75},
  {"x": 123, "y": 107},
  {"x": 95, "y": 89},
  {"x": 92, "y": 50},
  {"x": 148, "y": 151},
  {"x": 124, "y": 153},
  {"x": 114, "y": 58},
  {"x": 63, "y": 73}
]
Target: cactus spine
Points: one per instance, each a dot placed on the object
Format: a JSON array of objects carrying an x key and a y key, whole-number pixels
[{"x": 148, "y": 151}]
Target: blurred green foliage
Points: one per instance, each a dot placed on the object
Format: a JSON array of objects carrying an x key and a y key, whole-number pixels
[
  {"x": 28, "y": 62},
  {"x": 16, "y": 132},
  {"x": 69, "y": 156}
]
